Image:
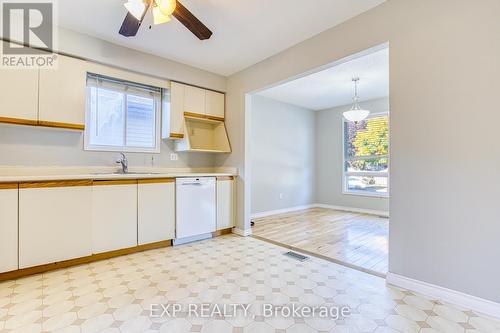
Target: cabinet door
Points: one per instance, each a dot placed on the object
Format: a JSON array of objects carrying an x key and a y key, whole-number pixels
[
  {"x": 176, "y": 116},
  {"x": 114, "y": 215},
  {"x": 194, "y": 100},
  {"x": 215, "y": 104},
  {"x": 19, "y": 95},
  {"x": 225, "y": 203},
  {"x": 8, "y": 227},
  {"x": 62, "y": 94},
  {"x": 54, "y": 222},
  {"x": 156, "y": 210}
]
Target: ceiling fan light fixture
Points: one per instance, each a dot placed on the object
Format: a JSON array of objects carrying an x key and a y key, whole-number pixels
[
  {"x": 356, "y": 113},
  {"x": 135, "y": 7},
  {"x": 167, "y": 7},
  {"x": 159, "y": 17}
]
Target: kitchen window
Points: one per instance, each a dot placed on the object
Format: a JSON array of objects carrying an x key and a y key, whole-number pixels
[
  {"x": 122, "y": 116},
  {"x": 366, "y": 156}
]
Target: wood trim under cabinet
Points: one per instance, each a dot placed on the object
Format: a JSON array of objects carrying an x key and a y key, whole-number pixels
[
  {"x": 202, "y": 116},
  {"x": 176, "y": 136},
  {"x": 214, "y": 118},
  {"x": 61, "y": 125},
  {"x": 9, "y": 186},
  {"x": 115, "y": 182},
  {"x": 225, "y": 178},
  {"x": 83, "y": 260},
  {"x": 18, "y": 121},
  {"x": 58, "y": 183},
  {"x": 156, "y": 180}
]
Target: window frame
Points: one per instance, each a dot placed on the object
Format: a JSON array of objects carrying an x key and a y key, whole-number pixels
[
  {"x": 346, "y": 174},
  {"x": 127, "y": 149}
]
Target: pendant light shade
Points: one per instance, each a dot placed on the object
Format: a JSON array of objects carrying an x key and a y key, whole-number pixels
[
  {"x": 159, "y": 17},
  {"x": 135, "y": 7},
  {"x": 167, "y": 7},
  {"x": 356, "y": 113}
]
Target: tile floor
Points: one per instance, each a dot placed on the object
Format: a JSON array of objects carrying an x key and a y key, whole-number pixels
[
  {"x": 115, "y": 295},
  {"x": 357, "y": 240}
]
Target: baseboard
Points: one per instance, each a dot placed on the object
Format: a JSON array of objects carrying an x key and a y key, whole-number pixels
[
  {"x": 354, "y": 209},
  {"x": 241, "y": 232},
  {"x": 280, "y": 211},
  {"x": 452, "y": 296}
]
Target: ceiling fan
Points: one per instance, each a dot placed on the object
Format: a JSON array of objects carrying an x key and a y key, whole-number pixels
[{"x": 162, "y": 11}]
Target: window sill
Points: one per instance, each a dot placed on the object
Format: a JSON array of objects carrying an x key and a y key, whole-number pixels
[
  {"x": 365, "y": 194},
  {"x": 122, "y": 149}
]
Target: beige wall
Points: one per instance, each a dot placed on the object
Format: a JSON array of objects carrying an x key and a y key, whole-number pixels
[
  {"x": 330, "y": 157},
  {"x": 41, "y": 146},
  {"x": 283, "y": 155},
  {"x": 444, "y": 162},
  {"x": 100, "y": 51}
]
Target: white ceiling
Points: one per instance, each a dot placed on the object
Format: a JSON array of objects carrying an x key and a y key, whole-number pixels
[
  {"x": 333, "y": 86},
  {"x": 245, "y": 31}
]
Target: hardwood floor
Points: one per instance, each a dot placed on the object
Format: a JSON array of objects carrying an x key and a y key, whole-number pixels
[{"x": 356, "y": 240}]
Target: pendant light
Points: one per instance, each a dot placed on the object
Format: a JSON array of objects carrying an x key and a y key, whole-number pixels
[
  {"x": 135, "y": 7},
  {"x": 356, "y": 113}
]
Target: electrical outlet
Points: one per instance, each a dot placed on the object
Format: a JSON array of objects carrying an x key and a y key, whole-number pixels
[
  {"x": 174, "y": 157},
  {"x": 281, "y": 196}
]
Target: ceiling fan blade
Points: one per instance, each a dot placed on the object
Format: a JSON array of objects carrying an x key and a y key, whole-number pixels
[
  {"x": 131, "y": 24},
  {"x": 191, "y": 22}
]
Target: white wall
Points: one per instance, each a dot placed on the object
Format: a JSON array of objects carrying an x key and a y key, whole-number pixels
[
  {"x": 329, "y": 159},
  {"x": 38, "y": 146},
  {"x": 444, "y": 185},
  {"x": 283, "y": 155},
  {"x": 33, "y": 146}
]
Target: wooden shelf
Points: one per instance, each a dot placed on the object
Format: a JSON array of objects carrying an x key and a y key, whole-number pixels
[{"x": 204, "y": 136}]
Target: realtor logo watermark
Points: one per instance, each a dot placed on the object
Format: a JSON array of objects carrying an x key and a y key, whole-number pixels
[{"x": 28, "y": 28}]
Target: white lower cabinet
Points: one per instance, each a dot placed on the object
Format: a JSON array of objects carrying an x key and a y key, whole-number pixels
[
  {"x": 114, "y": 215},
  {"x": 8, "y": 228},
  {"x": 54, "y": 222},
  {"x": 225, "y": 203},
  {"x": 156, "y": 210}
]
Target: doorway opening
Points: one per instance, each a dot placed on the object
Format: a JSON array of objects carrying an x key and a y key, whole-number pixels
[{"x": 319, "y": 179}]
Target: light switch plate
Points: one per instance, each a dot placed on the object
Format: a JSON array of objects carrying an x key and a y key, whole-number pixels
[{"x": 174, "y": 157}]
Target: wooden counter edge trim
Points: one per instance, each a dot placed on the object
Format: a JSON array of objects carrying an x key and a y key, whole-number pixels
[
  {"x": 176, "y": 136},
  {"x": 83, "y": 260},
  {"x": 9, "y": 186},
  {"x": 156, "y": 180},
  {"x": 115, "y": 182},
  {"x": 58, "y": 183},
  {"x": 215, "y": 118},
  {"x": 225, "y": 178},
  {"x": 61, "y": 125},
  {"x": 18, "y": 121},
  {"x": 202, "y": 116}
]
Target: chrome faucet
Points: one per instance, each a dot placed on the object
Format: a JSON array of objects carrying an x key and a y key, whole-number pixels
[{"x": 124, "y": 162}]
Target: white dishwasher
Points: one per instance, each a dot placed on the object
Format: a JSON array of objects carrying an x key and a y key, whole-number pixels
[{"x": 195, "y": 209}]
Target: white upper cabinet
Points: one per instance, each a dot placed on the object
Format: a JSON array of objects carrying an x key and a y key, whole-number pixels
[
  {"x": 173, "y": 118},
  {"x": 215, "y": 104},
  {"x": 225, "y": 203},
  {"x": 54, "y": 222},
  {"x": 114, "y": 215},
  {"x": 19, "y": 95},
  {"x": 8, "y": 227},
  {"x": 156, "y": 210},
  {"x": 62, "y": 94},
  {"x": 194, "y": 100}
]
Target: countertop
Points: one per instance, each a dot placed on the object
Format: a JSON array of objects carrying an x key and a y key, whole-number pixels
[{"x": 17, "y": 175}]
